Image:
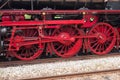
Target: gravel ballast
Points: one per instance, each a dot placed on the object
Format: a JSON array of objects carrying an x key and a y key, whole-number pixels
[{"x": 59, "y": 68}]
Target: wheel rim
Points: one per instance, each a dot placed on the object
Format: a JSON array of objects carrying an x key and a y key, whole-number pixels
[
  {"x": 67, "y": 48},
  {"x": 29, "y": 52},
  {"x": 105, "y": 40}
]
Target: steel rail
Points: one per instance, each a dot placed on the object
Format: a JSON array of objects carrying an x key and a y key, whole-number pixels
[{"x": 76, "y": 75}]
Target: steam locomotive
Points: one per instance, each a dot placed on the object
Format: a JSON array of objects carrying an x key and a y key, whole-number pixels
[{"x": 28, "y": 34}]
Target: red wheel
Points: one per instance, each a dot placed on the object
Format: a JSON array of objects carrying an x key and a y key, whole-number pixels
[
  {"x": 67, "y": 48},
  {"x": 29, "y": 52},
  {"x": 105, "y": 40}
]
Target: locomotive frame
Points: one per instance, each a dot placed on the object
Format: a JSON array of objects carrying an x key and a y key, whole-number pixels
[{"x": 64, "y": 37}]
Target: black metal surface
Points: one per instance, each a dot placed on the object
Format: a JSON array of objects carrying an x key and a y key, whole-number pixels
[
  {"x": 54, "y": 4},
  {"x": 0, "y": 42},
  {"x": 113, "y": 5}
]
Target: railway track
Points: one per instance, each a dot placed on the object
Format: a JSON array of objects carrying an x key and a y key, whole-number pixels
[
  {"x": 83, "y": 75},
  {"x": 53, "y": 60},
  {"x": 61, "y": 68}
]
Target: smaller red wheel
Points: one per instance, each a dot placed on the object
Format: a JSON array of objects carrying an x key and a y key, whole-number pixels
[
  {"x": 28, "y": 52},
  {"x": 105, "y": 40}
]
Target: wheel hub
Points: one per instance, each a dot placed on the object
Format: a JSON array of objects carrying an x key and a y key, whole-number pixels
[
  {"x": 102, "y": 38},
  {"x": 65, "y": 38}
]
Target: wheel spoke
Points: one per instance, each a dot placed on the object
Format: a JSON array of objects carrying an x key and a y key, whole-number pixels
[
  {"x": 95, "y": 45},
  {"x": 105, "y": 45},
  {"x": 33, "y": 51},
  {"x": 62, "y": 50},
  {"x": 29, "y": 53},
  {"x": 25, "y": 54},
  {"x": 100, "y": 48},
  {"x": 66, "y": 49},
  {"x": 105, "y": 29},
  {"x": 108, "y": 30},
  {"x": 109, "y": 34},
  {"x": 102, "y": 28},
  {"x": 109, "y": 38},
  {"x": 93, "y": 41},
  {"x": 34, "y": 34},
  {"x": 59, "y": 47}
]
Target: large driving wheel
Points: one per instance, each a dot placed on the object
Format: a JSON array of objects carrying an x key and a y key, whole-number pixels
[
  {"x": 67, "y": 48},
  {"x": 105, "y": 40},
  {"x": 29, "y": 52}
]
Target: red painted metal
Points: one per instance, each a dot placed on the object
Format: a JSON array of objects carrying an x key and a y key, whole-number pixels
[
  {"x": 26, "y": 50},
  {"x": 90, "y": 20},
  {"x": 67, "y": 36},
  {"x": 70, "y": 47},
  {"x": 105, "y": 40},
  {"x": 6, "y": 18},
  {"x": 46, "y": 22}
]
